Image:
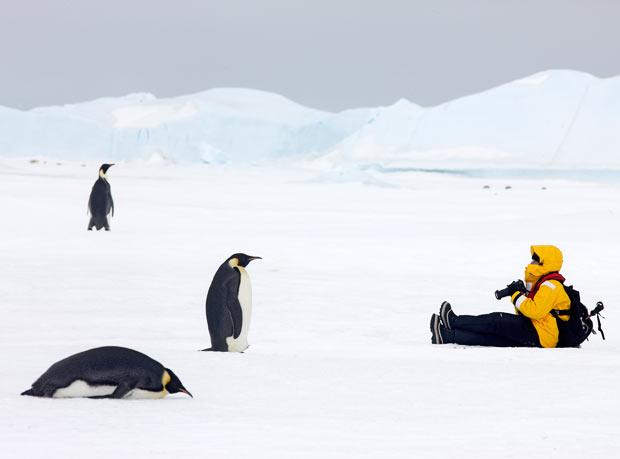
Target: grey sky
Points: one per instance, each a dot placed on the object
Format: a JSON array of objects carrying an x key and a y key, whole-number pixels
[{"x": 327, "y": 54}]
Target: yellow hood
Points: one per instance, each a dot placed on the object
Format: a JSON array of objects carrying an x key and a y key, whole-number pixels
[{"x": 550, "y": 261}]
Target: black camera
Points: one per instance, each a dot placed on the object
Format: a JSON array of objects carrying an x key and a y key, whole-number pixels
[{"x": 516, "y": 286}]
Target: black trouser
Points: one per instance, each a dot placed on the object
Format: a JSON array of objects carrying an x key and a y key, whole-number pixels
[{"x": 495, "y": 329}]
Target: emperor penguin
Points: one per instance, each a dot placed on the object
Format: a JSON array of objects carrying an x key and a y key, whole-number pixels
[
  {"x": 107, "y": 372},
  {"x": 100, "y": 202},
  {"x": 229, "y": 305}
]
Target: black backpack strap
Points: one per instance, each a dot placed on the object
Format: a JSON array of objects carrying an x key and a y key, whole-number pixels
[
  {"x": 598, "y": 320},
  {"x": 560, "y": 312},
  {"x": 563, "y": 312},
  {"x": 597, "y": 311}
]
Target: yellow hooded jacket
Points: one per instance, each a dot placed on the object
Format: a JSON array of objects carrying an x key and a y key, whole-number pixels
[{"x": 550, "y": 294}]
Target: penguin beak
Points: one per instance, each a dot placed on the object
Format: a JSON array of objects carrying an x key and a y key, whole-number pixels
[
  {"x": 185, "y": 391},
  {"x": 255, "y": 258}
]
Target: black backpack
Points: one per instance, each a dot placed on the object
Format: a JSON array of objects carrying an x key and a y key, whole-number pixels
[{"x": 578, "y": 327}]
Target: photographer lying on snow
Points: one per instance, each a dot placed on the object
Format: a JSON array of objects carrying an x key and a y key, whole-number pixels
[{"x": 545, "y": 317}]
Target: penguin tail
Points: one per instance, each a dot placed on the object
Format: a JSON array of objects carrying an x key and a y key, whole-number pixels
[
  {"x": 99, "y": 221},
  {"x": 29, "y": 392},
  {"x": 216, "y": 349}
]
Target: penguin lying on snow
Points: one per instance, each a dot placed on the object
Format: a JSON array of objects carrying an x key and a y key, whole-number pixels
[
  {"x": 100, "y": 202},
  {"x": 107, "y": 372},
  {"x": 229, "y": 305}
]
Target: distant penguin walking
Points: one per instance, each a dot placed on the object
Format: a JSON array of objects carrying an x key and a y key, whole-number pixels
[
  {"x": 100, "y": 202},
  {"x": 229, "y": 305},
  {"x": 107, "y": 372}
]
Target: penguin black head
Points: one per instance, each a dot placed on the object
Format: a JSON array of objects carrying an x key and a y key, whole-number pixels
[
  {"x": 175, "y": 385},
  {"x": 241, "y": 259},
  {"x": 104, "y": 168}
]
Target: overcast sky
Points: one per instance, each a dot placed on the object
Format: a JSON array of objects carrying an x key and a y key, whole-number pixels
[{"x": 328, "y": 54}]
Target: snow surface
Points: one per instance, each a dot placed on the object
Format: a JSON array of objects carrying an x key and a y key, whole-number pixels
[
  {"x": 340, "y": 362},
  {"x": 554, "y": 119}
]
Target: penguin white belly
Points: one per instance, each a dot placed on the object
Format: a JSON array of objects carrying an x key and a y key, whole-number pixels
[
  {"x": 79, "y": 388},
  {"x": 245, "y": 300}
]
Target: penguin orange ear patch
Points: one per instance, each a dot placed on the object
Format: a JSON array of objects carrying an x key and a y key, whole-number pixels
[
  {"x": 233, "y": 262},
  {"x": 165, "y": 379}
]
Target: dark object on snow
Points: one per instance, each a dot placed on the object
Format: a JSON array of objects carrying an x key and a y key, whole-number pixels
[
  {"x": 495, "y": 329},
  {"x": 446, "y": 314},
  {"x": 513, "y": 287},
  {"x": 100, "y": 202},
  {"x": 229, "y": 305},
  {"x": 107, "y": 372},
  {"x": 436, "y": 330},
  {"x": 578, "y": 327}
]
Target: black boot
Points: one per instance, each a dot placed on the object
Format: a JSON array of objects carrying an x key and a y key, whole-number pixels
[
  {"x": 446, "y": 315},
  {"x": 440, "y": 334}
]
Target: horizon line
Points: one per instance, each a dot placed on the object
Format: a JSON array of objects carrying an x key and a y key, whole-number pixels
[{"x": 185, "y": 95}]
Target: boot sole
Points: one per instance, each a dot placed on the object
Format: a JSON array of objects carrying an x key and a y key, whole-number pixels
[{"x": 436, "y": 338}]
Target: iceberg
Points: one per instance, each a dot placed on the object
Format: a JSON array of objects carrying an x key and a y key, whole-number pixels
[{"x": 556, "y": 119}]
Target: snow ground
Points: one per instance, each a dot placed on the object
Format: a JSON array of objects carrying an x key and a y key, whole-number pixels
[{"x": 340, "y": 363}]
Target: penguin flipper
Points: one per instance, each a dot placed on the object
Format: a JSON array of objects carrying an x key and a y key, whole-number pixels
[
  {"x": 111, "y": 204},
  {"x": 121, "y": 390},
  {"x": 236, "y": 314},
  {"x": 233, "y": 305}
]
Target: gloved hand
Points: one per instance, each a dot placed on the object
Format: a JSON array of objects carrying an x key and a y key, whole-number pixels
[{"x": 516, "y": 286}]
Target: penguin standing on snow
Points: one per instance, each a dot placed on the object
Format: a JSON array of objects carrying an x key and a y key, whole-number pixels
[
  {"x": 100, "y": 203},
  {"x": 229, "y": 305},
  {"x": 107, "y": 372}
]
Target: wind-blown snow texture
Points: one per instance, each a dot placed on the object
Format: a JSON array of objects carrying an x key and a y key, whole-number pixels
[
  {"x": 340, "y": 363},
  {"x": 560, "y": 119}
]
